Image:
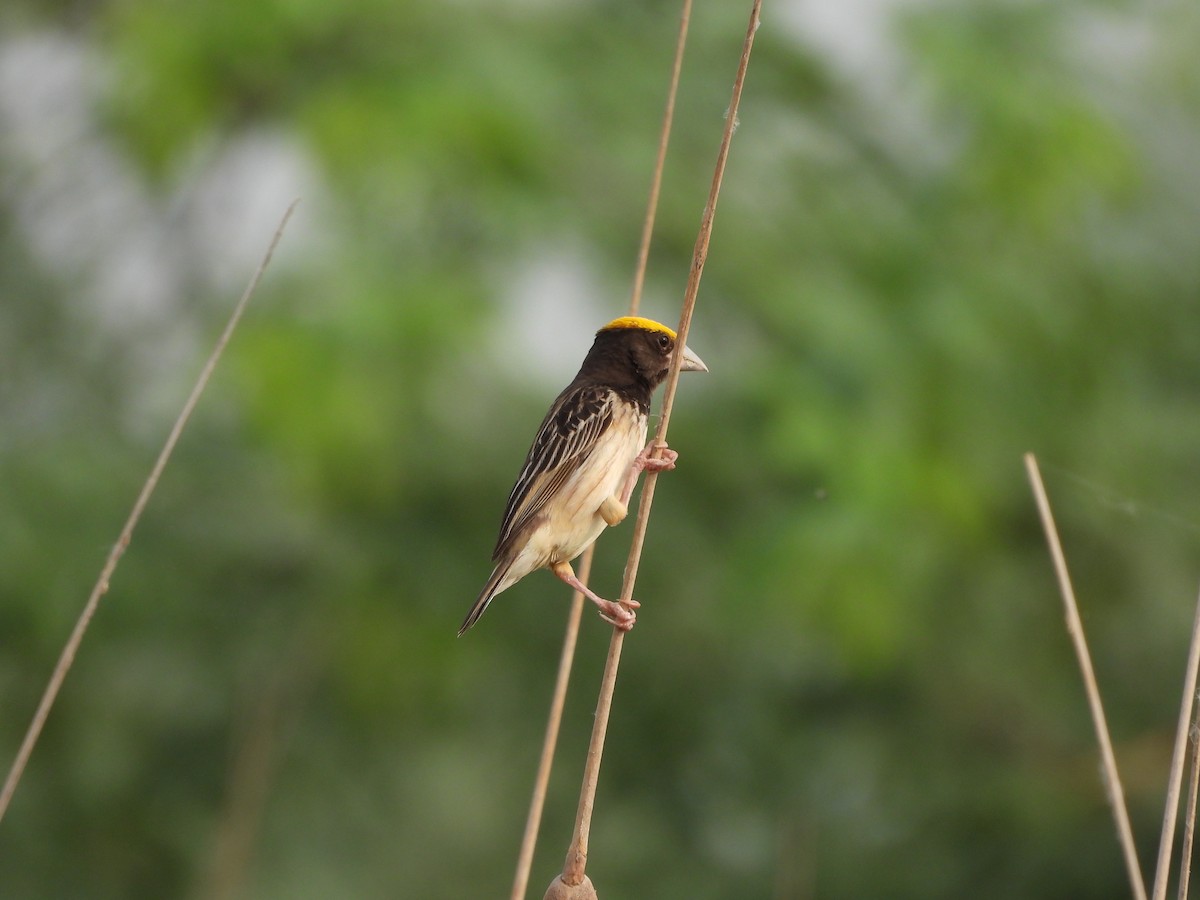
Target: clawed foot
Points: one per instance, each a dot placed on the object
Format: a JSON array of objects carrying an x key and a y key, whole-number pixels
[
  {"x": 642, "y": 462},
  {"x": 664, "y": 463},
  {"x": 620, "y": 616}
]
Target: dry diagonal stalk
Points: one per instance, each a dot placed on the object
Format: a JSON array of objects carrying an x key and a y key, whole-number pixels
[
  {"x": 573, "y": 882},
  {"x": 71, "y": 647},
  {"x": 1189, "y": 822},
  {"x": 1171, "y": 809},
  {"x": 1116, "y": 795},
  {"x": 558, "y": 699}
]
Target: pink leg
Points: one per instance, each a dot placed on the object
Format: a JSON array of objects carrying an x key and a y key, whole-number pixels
[
  {"x": 644, "y": 461},
  {"x": 616, "y": 614}
]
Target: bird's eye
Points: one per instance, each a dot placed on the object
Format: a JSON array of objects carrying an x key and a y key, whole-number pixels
[{"x": 664, "y": 342}]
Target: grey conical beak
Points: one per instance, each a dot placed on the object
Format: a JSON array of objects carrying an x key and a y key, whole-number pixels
[{"x": 691, "y": 362}]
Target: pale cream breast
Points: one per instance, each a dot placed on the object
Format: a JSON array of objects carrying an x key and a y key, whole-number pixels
[{"x": 573, "y": 517}]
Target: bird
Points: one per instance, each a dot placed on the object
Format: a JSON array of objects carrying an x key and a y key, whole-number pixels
[{"x": 584, "y": 462}]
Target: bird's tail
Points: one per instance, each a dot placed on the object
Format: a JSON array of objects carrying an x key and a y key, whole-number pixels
[{"x": 490, "y": 590}]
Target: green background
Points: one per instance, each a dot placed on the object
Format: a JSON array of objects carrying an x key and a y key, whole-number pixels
[{"x": 950, "y": 233}]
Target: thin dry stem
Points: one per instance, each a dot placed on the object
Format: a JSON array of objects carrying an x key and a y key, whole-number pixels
[
  {"x": 576, "y": 861},
  {"x": 557, "y": 701},
  {"x": 251, "y": 772},
  {"x": 1116, "y": 795},
  {"x": 1189, "y": 824},
  {"x": 250, "y": 777},
  {"x": 101, "y": 587},
  {"x": 664, "y": 138},
  {"x": 1171, "y": 811},
  {"x": 537, "y": 801}
]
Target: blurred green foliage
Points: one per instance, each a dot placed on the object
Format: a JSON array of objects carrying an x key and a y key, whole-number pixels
[{"x": 849, "y": 677}]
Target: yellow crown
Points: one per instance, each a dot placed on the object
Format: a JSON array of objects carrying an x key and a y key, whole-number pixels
[{"x": 639, "y": 322}]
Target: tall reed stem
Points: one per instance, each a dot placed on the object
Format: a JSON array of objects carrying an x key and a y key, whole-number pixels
[
  {"x": 573, "y": 873},
  {"x": 67, "y": 657},
  {"x": 1116, "y": 795},
  {"x": 570, "y": 639}
]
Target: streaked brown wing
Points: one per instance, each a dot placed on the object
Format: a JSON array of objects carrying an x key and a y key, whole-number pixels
[{"x": 570, "y": 430}]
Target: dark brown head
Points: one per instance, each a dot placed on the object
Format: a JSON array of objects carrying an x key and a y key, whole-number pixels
[{"x": 633, "y": 354}]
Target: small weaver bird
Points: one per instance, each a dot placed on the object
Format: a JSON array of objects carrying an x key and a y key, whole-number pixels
[{"x": 585, "y": 461}]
